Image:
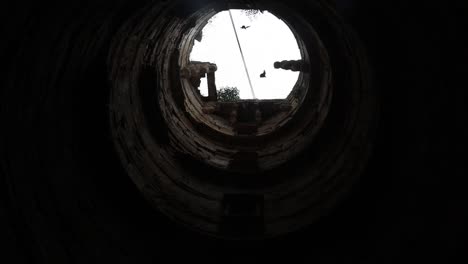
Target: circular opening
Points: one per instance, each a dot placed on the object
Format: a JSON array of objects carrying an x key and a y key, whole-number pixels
[
  {"x": 287, "y": 63},
  {"x": 245, "y": 44},
  {"x": 218, "y": 167}
]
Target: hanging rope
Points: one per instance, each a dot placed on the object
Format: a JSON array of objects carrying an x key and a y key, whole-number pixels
[{"x": 242, "y": 54}]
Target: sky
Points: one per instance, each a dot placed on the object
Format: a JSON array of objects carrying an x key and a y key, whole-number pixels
[{"x": 268, "y": 39}]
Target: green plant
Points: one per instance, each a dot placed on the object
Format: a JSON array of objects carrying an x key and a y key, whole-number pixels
[
  {"x": 228, "y": 94},
  {"x": 252, "y": 13}
]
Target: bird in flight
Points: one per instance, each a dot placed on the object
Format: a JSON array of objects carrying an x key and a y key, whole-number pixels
[
  {"x": 245, "y": 27},
  {"x": 263, "y": 75}
]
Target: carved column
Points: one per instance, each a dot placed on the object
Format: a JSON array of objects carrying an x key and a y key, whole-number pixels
[
  {"x": 197, "y": 70},
  {"x": 212, "y": 94},
  {"x": 293, "y": 65}
]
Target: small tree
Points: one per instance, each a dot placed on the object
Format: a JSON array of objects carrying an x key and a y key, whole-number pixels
[
  {"x": 252, "y": 13},
  {"x": 228, "y": 94}
]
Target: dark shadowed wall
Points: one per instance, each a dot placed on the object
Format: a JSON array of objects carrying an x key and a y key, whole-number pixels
[{"x": 65, "y": 197}]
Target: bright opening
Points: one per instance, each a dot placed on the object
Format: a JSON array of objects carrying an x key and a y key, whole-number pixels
[{"x": 264, "y": 39}]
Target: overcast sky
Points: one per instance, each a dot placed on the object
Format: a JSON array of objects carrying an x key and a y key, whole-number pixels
[{"x": 268, "y": 39}]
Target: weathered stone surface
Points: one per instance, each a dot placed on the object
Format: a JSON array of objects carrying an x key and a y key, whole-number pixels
[
  {"x": 65, "y": 191},
  {"x": 197, "y": 70}
]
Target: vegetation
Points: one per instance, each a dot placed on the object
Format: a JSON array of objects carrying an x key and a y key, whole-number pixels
[
  {"x": 251, "y": 13},
  {"x": 228, "y": 94}
]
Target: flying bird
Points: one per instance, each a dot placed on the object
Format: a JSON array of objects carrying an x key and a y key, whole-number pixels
[
  {"x": 245, "y": 27},
  {"x": 263, "y": 75}
]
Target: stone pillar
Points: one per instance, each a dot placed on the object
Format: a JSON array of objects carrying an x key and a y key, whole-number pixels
[
  {"x": 293, "y": 65},
  {"x": 212, "y": 94},
  {"x": 197, "y": 70}
]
